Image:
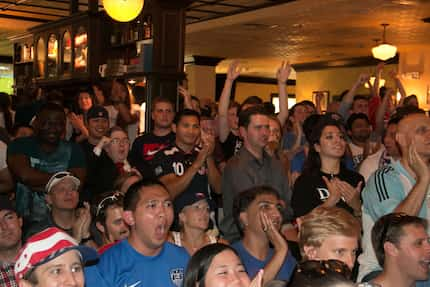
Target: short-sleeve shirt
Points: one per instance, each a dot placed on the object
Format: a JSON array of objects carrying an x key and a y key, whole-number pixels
[
  {"x": 253, "y": 265},
  {"x": 384, "y": 191},
  {"x": 144, "y": 149},
  {"x": 67, "y": 155},
  {"x": 176, "y": 161},
  {"x": 121, "y": 265}
]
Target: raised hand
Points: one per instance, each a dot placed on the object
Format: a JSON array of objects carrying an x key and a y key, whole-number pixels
[
  {"x": 363, "y": 78},
  {"x": 183, "y": 92},
  {"x": 76, "y": 121},
  {"x": 283, "y": 72},
  {"x": 233, "y": 71}
]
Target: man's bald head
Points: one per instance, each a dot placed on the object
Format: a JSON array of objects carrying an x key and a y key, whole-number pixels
[{"x": 414, "y": 128}]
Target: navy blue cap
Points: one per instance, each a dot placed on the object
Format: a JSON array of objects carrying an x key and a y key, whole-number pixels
[{"x": 97, "y": 112}]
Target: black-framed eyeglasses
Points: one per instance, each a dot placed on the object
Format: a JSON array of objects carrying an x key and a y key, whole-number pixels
[
  {"x": 108, "y": 201},
  {"x": 320, "y": 268}
]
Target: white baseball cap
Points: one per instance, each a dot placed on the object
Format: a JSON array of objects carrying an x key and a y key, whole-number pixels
[{"x": 60, "y": 176}]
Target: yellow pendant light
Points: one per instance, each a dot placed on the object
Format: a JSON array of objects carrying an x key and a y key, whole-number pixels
[
  {"x": 123, "y": 10},
  {"x": 384, "y": 51}
]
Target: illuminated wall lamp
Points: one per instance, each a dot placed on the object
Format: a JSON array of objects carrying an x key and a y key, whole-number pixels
[{"x": 384, "y": 51}]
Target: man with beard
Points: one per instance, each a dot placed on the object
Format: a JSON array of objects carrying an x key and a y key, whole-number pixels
[
  {"x": 145, "y": 258},
  {"x": 402, "y": 246},
  {"x": 10, "y": 241},
  {"x": 33, "y": 160},
  {"x": 359, "y": 130},
  {"x": 147, "y": 145}
]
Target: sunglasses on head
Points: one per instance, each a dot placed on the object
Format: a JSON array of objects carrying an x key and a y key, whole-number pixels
[
  {"x": 108, "y": 201},
  {"x": 62, "y": 174},
  {"x": 320, "y": 268}
]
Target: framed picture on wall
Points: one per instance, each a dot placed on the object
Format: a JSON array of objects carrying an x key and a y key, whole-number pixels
[{"x": 324, "y": 98}]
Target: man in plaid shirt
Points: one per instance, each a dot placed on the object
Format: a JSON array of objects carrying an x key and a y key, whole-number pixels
[{"x": 10, "y": 241}]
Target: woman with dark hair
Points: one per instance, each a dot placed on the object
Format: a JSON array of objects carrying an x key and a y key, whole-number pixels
[
  {"x": 84, "y": 101},
  {"x": 325, "y": 180},
  {"x": 128, "y": 112},
  {"x": 99, "y": 92},
  {"x": 217, "y": 265}
]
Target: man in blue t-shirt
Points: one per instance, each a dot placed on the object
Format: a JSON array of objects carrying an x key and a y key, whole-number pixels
[
  {"x": 33, "y": 160},
  {"x": 145, "y": 258},
  {"x": 257, "y": 214}
]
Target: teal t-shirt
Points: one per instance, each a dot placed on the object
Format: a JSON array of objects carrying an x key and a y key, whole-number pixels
[{"x": 31, "y": 205}]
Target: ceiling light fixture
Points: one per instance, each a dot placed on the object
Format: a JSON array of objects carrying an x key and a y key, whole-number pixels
[
  {"x": 384, "y": 51},
  {"x": 123, "y": 10}
]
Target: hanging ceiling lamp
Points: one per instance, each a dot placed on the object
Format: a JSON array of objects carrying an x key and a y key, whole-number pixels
[
  {"x": 123, "y": 10},
  {"x": 384, "y": 51}
]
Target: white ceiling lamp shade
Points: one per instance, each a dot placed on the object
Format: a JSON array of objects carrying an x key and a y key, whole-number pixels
[
  {"x": 123, "y": 10},
  {"x": 384, "y": 51}
]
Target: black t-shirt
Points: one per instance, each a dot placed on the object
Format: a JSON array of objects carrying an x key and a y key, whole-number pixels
[
  {"x": 311, "y": 191},
  {"x": 144, "y": 149},
  {"x": 174, "y": 160},
  {"x": 231, "y": 145},
  {"x": 101, "y": 173}
]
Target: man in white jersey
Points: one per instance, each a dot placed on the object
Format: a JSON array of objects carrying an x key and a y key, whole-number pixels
[{"x": 399, "y": 187}]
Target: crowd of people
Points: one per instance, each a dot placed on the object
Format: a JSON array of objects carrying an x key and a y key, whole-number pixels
[{"x": 223, "y": 194}]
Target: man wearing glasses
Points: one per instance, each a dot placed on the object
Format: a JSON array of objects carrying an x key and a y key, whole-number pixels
[
  {"x": 402, "y": 246},
  {"x": 402, "y": 186}
]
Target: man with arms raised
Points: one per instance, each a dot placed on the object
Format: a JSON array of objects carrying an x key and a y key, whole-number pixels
[{"x": 145, "y": 258}]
